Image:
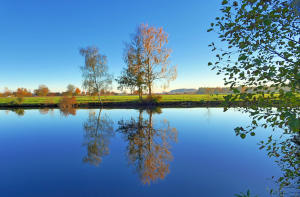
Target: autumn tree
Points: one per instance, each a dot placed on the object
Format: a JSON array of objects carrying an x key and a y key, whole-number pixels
[
  {"x": 77, "y": 91},
  {"x": 43, "y": 90},
  {"x": 23, "y": 92},
  {"x": 156, "y": 56},
  {"x": 95, "y": 71}
]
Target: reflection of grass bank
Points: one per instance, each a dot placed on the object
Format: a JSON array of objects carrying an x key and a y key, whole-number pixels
[{"x": 131, "y": 101}]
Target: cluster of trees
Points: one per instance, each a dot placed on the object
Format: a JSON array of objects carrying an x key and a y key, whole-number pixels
[
  {"x": 147, "y": 61},
  {"x": 228, "y": 90},
  {"x": 43, "y": 90}
]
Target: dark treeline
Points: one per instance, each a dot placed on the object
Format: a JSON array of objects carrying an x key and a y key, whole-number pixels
[{"x": 222, "y": 90}]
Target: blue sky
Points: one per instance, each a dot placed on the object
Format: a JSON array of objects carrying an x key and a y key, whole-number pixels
[{"x": 39, "y": 40}]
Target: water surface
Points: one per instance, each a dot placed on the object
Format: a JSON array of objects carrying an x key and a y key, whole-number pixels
[{"x": 122, "y": 152}]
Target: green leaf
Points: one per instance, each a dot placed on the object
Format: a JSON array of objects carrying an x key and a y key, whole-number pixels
[
  {"x": 291, "y": 44},
  {"x": 224, "y": 2},
  {"x": 267, "y": 22},
  {"x": 210, "y": 29},
  {"x": 295, "y": 125},
  {"x": 242, "y": 57}
]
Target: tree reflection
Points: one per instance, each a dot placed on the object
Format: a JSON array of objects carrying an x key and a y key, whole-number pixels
[
  {"x": 98, "y": 131},
  {"x": 69, "y": 110},
  {"x": 148, "y": 147},
  {"x": 285, "y": 150},
  {"x": 44, "y": 111},
  {"x": 19, "y": 111}
]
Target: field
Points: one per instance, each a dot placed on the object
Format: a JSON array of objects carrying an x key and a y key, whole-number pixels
[{"x": 112, "y": 99}]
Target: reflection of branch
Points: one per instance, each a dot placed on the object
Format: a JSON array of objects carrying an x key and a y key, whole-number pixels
[
  {"x": 148, "y": 147},
  {"x": 287, "y": 155},
  {"x": 98, "y": 131}
]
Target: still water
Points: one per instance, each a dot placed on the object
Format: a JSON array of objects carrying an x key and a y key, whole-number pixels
[{"x": 127, "y": 152}]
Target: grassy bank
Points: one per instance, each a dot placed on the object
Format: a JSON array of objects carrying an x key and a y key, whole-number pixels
[
  {"x": 111, "y": 99},
  {"x": 120, "y": 101}
]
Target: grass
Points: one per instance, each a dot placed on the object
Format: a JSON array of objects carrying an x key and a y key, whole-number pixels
[
  {"x": 94, "y": 99},
  {"x": 115, "y": 99}
]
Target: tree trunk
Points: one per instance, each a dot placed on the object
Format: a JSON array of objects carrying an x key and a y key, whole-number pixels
[
  {"x": 150, "y": 90},
  {"x": 150, "y": 134},
  {"x": 99, "y": 98},
  {"x": 140, "y": 94}
]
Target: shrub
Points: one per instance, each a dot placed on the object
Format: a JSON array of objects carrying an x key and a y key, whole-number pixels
[
  {"x": 153, "y": 99},
  {"x": 17, "y": 101},
  {"x": 20, "y": 100}
]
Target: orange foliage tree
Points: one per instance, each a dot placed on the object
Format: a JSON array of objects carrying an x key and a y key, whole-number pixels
[
  {"x": 156, "y": 56},
  {"x": 23, "y": 92},
  {"x": 42, "y": 91},
  {"x": 77, "y": 91}
]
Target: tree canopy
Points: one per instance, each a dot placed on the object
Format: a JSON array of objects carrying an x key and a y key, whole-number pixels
[
  {"x": 147, "y": 60},
  {"x": 259, "y": 48},
  {"x": 95, "y": 71}
]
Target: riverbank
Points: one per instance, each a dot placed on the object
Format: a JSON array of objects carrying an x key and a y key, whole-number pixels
[
  {"x": 122, "y": 102},
  {"x": 125, "y": 105},
  {"x": 115, "y": 101}
]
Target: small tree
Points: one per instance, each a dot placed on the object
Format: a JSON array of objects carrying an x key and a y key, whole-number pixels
[
  {"x": 43, "y": 90},
  {"x": 95, "y": 71},
  {"x": 23, "y": 92},
  {"x": 71, "y": 89},
  {"x": 7, "y": 92},
  {"x": 77, "y": 91}
]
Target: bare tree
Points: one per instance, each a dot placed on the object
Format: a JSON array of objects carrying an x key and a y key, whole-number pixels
[{"x": 95, "y": 71}]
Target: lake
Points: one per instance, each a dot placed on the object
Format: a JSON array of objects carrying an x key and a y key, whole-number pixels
[{"x": 128, "y": 152}]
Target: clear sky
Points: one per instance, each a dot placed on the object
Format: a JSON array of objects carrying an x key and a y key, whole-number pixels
[{"x": 40, "y": 39}]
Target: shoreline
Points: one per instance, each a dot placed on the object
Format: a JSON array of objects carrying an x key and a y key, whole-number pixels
[{"x": 133, "y": 105}]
